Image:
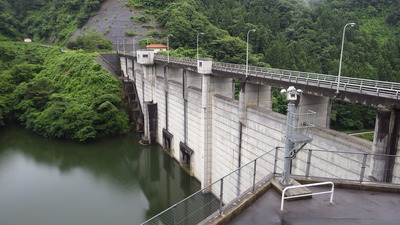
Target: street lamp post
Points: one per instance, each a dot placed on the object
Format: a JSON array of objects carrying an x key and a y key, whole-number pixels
[
  {"x": 168, "y": 45},
  {"x": 247, "y": 51},
  {"x": 133, "y": 45},
  {"x": 147, "y": 40},
  {"x": 123, "y": 45},
  {"x": 341, "y": 55},
  {"x": 197, "y": 47},
  {"x": 117, "y": 44}
]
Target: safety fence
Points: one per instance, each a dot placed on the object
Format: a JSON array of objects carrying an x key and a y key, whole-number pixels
[
  {"x": 357, "y": 85},
  {"x": 219, "y": 196},
  {"x": 346, "y": 166}
]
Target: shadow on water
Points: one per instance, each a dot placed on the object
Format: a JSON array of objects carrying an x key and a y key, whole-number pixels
[{"x": 119, "y": 161}]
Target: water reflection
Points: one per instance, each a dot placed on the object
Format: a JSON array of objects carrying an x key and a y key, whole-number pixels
[{"x": 110, "y": 181}]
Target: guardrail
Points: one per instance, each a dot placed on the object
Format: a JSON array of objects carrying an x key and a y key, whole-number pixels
[
  {"x": 184, "y": 61},
  {"x": 321, "y": 164},
  {"x": 215, "y": 198},
  {"x": 350, "y": 84},
  {"x": 311, "y": 194},
  {"x": 357, "y": 85}
]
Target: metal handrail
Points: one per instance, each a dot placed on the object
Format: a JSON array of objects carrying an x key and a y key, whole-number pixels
[
  {"x": 305, "y": 195},
  {"x": 358, "y": 85},
  {"x": 221, "y": 180},
  {"x": 371, "y": 87}
]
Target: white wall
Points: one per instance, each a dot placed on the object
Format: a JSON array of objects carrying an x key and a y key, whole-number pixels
[{"x": 263, "y": 131}]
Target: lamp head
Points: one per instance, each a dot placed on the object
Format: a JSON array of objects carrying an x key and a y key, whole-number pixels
[{"x": 352, "y": 24}]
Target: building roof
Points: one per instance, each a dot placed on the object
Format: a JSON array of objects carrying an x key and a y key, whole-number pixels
[{"x": 156, "y": 46}]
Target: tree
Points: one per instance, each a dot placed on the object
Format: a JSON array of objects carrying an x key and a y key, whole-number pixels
[
  {"x": 91, "y": 41},
  {"x": 229, "y": 49}
]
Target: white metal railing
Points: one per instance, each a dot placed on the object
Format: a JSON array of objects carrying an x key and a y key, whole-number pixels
[
  {"x": 311, "y": 194},
  {"x": 214, "y": 199},
  {"x": 219, "y": 196},
  {"x": 185, "y": 61},
  {"x": 356, "y": 85}
]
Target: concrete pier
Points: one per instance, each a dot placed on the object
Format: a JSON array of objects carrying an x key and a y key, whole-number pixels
[{"x": 320, "y": 105}]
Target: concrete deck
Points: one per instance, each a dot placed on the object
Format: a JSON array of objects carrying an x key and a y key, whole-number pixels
[{"x": 350, "y": 207}]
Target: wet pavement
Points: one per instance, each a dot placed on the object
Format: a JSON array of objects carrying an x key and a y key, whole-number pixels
[{"x": 350, "y": 207}]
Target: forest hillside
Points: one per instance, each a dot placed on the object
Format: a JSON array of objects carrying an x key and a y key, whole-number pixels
[{"x": 303, "y": 35}]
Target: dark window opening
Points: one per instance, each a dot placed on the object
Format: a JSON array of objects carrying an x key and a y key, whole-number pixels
[
  {"x": 167, "y": 137},
  {"x": 186, "y": 154},
  {"x": 145, "y": 56}
]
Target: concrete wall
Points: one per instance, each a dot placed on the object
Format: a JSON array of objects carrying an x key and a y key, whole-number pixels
[
  {"x": 218, "y": 119},
  {"x": 194, "y": 129},
  {"x": 320, "y": 105}
]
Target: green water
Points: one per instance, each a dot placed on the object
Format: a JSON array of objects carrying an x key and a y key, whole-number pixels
[{"x": 110, "y": 181}]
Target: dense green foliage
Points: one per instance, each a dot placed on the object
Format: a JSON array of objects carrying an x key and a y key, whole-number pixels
[
  {"x": 90, "y": 41},
  {"x": 53, "y": 21},
  {"x": 303, "y": 35},
  {"x": 7, "y": 21},
  {"x": 306, "y": 34},
  {"x": 18, "y": 63},
  {"x": 63, "y": 95}
]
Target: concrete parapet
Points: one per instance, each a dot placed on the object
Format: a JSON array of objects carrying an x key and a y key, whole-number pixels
[{"x": 258, "y": 95}]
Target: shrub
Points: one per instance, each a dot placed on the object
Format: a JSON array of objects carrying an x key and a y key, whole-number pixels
[
  {"x": 148, "y": 26},
  {"x": 130, "y": 33},
  {"x": 91, "y": 41},
  {"x": 155, "y": 33},
  {"x": 141, "y": 18}
]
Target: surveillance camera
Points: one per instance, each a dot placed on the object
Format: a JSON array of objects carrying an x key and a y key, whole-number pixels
[{"x": 291, "y": 88}]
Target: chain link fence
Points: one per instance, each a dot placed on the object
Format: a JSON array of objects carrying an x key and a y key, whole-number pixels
[{"x": 310, "y": 163}]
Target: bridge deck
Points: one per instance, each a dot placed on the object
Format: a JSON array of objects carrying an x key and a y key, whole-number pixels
[{"x": 368, "y": 92}]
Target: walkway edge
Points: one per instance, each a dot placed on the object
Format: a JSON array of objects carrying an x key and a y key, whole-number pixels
[{"x": 240, "y": 206}]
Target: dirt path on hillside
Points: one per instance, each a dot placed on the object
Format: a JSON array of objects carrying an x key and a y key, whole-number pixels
[{"x": 112, "y": 20}]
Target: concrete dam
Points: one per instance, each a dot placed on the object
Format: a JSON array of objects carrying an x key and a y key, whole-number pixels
[{"x": 188, "y": 107}]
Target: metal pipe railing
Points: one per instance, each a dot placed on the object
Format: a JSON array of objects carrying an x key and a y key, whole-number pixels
[
  {"x": 358, "y": 85},
  {"x": 219, "y": 184},
  {"x": 306, "y": 195},
  {"x": 258, "y": 172}
]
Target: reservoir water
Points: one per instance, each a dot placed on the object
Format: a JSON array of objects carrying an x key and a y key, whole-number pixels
[{"x": 110, "y": 181}]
